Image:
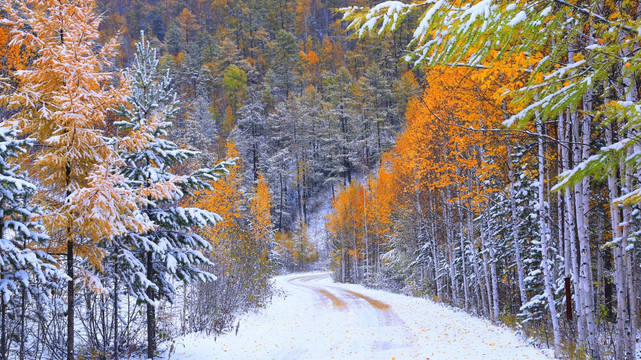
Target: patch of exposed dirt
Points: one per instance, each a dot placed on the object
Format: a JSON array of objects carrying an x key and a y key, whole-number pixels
[
  {"x": 336, "y": 302},
  {"x": 375, "y": 303}
]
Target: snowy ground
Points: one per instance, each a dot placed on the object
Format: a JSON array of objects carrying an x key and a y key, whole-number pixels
[{"x": 318, "y": 319}]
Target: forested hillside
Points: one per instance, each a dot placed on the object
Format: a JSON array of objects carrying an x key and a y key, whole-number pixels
[
  {"x": 161, "y": 160},
  {"x": 307, "y": 106}
]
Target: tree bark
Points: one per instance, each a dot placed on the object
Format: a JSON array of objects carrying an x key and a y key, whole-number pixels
[
  {"x": 23, "y": 307},
  {"x": 151, "y": 311},
  {"x": 582, "y": 203},
  {"x": 545, "y": 235},
  {"x": 482, "y": 304},
  {"x": 631, "y": 95},
  {"x": 515, "y": 229},
  {"x": 575, "y": 209},
  {"x": 495, "y": 283},
  {"x": 486, "y": 272},
  {"x": 3, "y": 330},
  {"x": 70, "y": 301},
  {"x": 463, "y": 258},
  {"x": 115, "y": 315}
]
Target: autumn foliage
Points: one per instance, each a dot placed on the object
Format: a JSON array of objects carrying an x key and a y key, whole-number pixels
[{"x": 241, "y": 249}]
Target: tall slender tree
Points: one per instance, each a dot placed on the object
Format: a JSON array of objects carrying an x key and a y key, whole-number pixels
[
  {"x": 61, "y": 101},
  {"x": 172, "y": 249}
]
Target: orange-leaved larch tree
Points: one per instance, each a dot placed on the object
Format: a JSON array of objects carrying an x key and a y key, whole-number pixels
[
  {"x": 12, "y": 56},
  {"x": 418, "y": 215},
  {"x": 61, "y": 101},
  {"x": 346, "y": 227}
]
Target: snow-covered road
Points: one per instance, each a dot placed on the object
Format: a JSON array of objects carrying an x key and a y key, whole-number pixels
[{"x": 318, "y": 319}]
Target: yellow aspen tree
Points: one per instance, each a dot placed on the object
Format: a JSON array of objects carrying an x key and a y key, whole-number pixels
[{"x": 260, "y": 212}]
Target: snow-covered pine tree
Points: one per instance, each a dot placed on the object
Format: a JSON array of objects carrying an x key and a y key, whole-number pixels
[
  {"x": 284, "y": 65},
  {"x": 250, "y": 135},
  {"x": 312, "y": 111},
  {"x": 148, "y": 262},
  {"x": 25, "y": 268},
  {"x": 199, "y": 131},
  {"x": 377, "y": 115},
  {"x": 528, "y": 231},
  {"x": 340, "y": 135},
  {"x": 279, "y": 173}
]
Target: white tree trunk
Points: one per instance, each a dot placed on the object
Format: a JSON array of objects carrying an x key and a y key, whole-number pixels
[
  {"x": 582, "y": 202},
  {"x": 366, "y": 231},
  {"x": 571, "y": 250},
  {"x": 575, "y": 208},
  {"x": 516, "y": 242},
  {"x": 492, "y": 314},
  {"x": 463, "y": 262},
  {"x": 495, "y": 283},
  {"x": 435, "y": 258},
  {"x": 620, "y": 269},
  {"x": 545, "y": 236},
  {"x": 631, "y": 95},
  {"x": 450, "y": 249}
]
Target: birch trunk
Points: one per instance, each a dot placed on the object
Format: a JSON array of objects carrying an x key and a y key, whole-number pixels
[
  {"x": 435, "y": 258},
  {"x": 482, "y": 304},
  {"x": 450, "y": 249},
  {"x": 486, "y": 273},
  {"x": 572, "y": 241},
  {"x": 621, "y": 346},
  {"x": 545, "y": 235},
  {"x": 515, "y": 230},
  {"x": 627, "y": 248},
  {"x": 631, "y": 95},
  {"x": 495, "y": 282},
  {"x": 463, "y": 262},
  {"x": 576, "y": 208},
  {"x": 567, "y": 222},
  {"x": 582, "y": 201}
]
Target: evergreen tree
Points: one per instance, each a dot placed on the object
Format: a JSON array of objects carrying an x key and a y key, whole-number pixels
[
  {"x": 25, "y": 269},
  {"x": 251, "y": 136},
  {"x": 279, "y": 164},
  {"x": 340, "y": 132},
  {"x": 148, "y": 261},
  {"x": 378, "y": 118},
  {"x": 284, "y": 63},
  {"x": 174, "y": 39},
  {"x": 199, "y": 131}
]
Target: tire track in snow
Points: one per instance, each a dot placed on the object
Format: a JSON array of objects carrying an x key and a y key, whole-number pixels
[
  {"x": 384, "y": 310},
  {"x": 336, "y": 302},
  {"x": 381, "y": 311}
]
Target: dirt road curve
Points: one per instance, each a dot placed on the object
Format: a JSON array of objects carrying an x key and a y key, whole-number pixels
[{"x": 370, "y": 313}]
